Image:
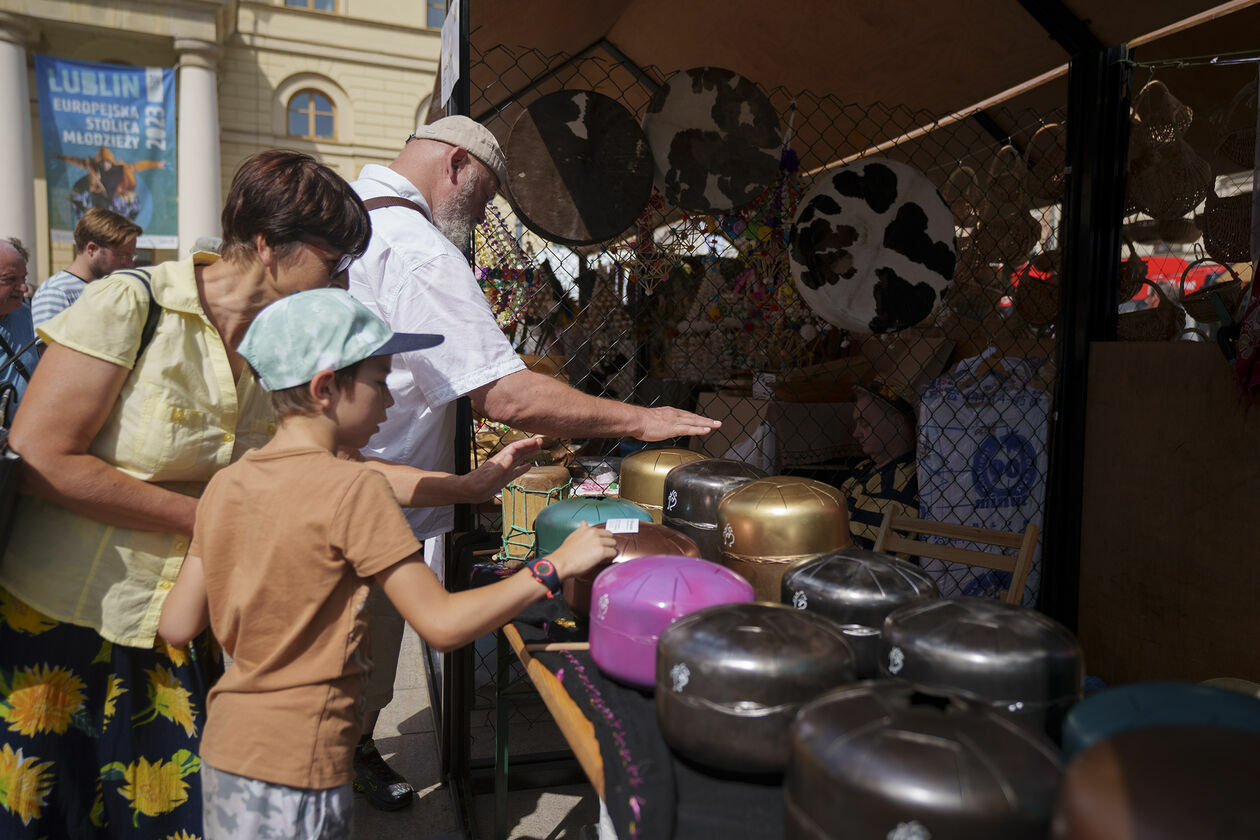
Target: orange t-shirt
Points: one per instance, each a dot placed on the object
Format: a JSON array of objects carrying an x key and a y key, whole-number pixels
[{"x": 289, "y": 541}]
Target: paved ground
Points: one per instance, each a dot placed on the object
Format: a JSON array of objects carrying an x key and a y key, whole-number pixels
[{"x": 405, "y": 738}]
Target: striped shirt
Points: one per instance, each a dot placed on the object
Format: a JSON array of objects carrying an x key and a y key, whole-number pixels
[
  {"x": 55, "y": 294},
  {"x": 873, "y": 491}
]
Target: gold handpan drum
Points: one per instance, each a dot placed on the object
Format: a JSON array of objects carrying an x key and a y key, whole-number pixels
[
  {"x": 643, "y": 474},
  {"x": 768, "y": 524}
]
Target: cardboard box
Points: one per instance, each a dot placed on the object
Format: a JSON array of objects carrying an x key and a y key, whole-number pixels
[{"x": 773, "y": 435}]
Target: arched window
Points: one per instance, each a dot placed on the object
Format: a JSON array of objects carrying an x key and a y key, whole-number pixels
[{"x": 312, "y": 115}]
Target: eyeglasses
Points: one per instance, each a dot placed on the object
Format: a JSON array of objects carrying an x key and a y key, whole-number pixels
[{"x": 320, "y": 244}]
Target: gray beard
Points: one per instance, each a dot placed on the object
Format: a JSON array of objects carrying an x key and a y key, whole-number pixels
[{"x": 453, "y": 218}]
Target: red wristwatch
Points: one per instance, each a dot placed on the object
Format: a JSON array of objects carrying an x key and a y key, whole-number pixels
[{"x": 545, "y": 573}]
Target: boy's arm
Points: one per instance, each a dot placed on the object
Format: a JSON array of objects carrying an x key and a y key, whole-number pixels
[
  {"x": 448, "y": 620},
  {"x": 186, "y": 611},
  {"x": 425, "y": 488}
]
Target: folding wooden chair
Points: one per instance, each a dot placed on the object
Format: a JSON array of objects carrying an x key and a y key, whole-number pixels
[{"x": 891, "y": 540}]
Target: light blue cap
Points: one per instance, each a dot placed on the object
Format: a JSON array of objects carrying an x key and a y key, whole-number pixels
[{"x": 296, "y": 337}]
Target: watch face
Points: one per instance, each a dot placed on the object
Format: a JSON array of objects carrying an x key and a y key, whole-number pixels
[{"x": 543, "y": 567}]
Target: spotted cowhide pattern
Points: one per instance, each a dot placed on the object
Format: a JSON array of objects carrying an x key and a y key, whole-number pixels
[
  {"x": 873, "y": 246},
  {"x": 715, "y": 139}
]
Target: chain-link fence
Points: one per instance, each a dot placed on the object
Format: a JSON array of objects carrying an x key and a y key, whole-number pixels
[{"x": 702, "y": 311}]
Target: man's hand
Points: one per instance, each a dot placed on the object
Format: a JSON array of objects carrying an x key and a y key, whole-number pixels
[
  {"x": 668, "y": 422},
  {"x": 506, "y": 465}
]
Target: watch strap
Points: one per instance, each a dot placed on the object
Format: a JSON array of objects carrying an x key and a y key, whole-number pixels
[{"x": 544, "y": 572}]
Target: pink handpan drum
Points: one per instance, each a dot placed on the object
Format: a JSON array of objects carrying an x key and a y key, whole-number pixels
[{"x": 633, "y": 602}]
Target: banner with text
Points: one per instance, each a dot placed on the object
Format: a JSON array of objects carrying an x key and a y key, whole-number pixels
[{"x": 108, "y": 133}]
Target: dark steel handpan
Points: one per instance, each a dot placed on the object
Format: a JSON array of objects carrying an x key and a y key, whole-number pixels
[
  {"x": 1163, "y": 784},
  {"x": 729, "y": 680},
  {"x": 579, "y": 168},
  {"x": 883, "y": 759},
  {"x": 1013, "y": 658},
  {"x": 692, "y": 493},
  {"x": 857, "y": 589}
]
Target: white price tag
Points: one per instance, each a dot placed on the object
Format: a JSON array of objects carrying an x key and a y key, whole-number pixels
[{"x": 622, "y": 526}]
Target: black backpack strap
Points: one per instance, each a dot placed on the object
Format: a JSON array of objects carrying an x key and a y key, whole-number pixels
[
  {"x": 154, "y": 312},
  {"x": 14, "y": 358}
]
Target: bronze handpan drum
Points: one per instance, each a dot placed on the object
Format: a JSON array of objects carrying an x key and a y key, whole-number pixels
[
  {"x": 872, "y": 246},
  {"x": 643, "y": 473},
  {"x": 1014, "y": 659},
  {"x": 857, "y": 589},
  {"x": 768, "y": 524},
  {"x": 1163, "y": 784},
  {"x": 715, "y": 138},
  {"x": 643, "y": 539},
  {"x": 884, "y": 759},
  {"x": 730, "y": 678},
  {"x": 579, "y": 169},
  {"x": 692, "y": 493}
]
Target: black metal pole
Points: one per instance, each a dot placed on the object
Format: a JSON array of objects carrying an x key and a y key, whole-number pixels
[{"x": 1093, "y": 209}]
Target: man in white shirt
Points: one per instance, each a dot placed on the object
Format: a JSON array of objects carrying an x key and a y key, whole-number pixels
[
  {"x": 104, "y": 241},
  {"x": 416, "y": 278}
]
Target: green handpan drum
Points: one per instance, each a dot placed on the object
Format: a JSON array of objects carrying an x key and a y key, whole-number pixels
[{"x": 557, "y": 521}]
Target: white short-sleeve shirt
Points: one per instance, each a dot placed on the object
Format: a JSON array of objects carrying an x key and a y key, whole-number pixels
[{"x": 416, "y": 280}]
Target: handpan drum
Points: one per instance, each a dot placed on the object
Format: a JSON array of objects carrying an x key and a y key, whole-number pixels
[
  {"x": 872, "y": 246},
  {"x": 633, "y": 602},
  {"x": 692, "y": 493},
  {"x": 884, "y": 759},
  {"x": 769, "y": 524},
  {"x": 579, "y": 169},
  {"x": 730, "y": 679},
  {"x": 1014, "y": 659},
  {"x": 643, "y": 473},
  {"x": 857, "y": 589},
  {"x": 715, "y": 139},
  {"x": 557, "y": 521},
  {"x": 646, "y": 538}
]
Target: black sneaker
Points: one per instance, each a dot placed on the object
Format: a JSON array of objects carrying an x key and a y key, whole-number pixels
[{"x": 385, "y": 789}]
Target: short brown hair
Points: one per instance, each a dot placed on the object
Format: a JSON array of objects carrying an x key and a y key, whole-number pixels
[
  {"x": 104, "y": 227},
  {"x": 297, "y": 402},
  {"x": 285, "y": 196}
]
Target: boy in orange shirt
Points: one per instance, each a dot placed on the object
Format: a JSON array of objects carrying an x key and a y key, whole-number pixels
[{"x": 286, "y": 543}]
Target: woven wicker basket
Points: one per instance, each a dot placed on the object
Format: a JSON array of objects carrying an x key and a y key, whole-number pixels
[
  {"x": 1179, "y": 231},
  {"x": 1007, "y": 237},
  {"x": 962, "y": 193},
  {"x": 1170, "y": 181},
  {"x": 1236, "y": 128},
  {"x": 1037, "y": 297},
  {"x": 1132, "y": 275},
  {"x": 1007, "y": 185},
  {"x": 1164, "y": 322},
  {"x": 1047, "y": 159},
  {"x": 1198, "y": 304},
  {"x": 1162, "y": 117},
  {"x": 1227, "y": 227}
]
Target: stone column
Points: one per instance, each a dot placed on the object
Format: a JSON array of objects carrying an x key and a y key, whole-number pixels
[
  {"x": 200, "y": 190},
  {"x": 17, "y": 158}
]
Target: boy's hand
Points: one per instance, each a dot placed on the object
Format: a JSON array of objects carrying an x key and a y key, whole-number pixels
[
  {"x": 505, "y": 466},
  {"x": 582, "y": 550}
]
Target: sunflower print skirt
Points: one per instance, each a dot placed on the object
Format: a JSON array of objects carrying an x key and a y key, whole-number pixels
[{"x": 98, "y": 740}]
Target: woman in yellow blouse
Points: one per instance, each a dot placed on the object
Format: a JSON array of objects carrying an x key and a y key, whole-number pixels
[{"x": 99, "y": 718}]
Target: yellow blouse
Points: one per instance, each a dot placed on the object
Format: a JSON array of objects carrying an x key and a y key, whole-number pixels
[{"x": 179, "y": 418}]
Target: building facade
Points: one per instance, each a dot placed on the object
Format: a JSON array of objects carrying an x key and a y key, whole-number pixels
[{"x": 343, "y": 80}]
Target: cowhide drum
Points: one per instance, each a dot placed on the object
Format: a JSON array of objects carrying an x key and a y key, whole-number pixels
[
  {"x": 715, "y": 138},
  {"x": 579, "y": 170},
  {"x": 872, "y": 246}
]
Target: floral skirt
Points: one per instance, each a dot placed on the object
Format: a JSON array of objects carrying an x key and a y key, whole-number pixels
[{"x": 98, "y": 740}]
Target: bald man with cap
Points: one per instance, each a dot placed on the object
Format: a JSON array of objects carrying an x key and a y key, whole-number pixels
[{"x": 414, "y": 275}]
